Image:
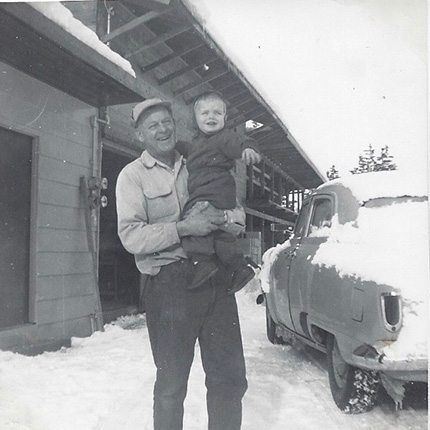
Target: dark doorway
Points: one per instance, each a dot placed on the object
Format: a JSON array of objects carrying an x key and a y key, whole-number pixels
[
  {"x": 118, "y": 276},
  {"x": 15, "y": 211}
]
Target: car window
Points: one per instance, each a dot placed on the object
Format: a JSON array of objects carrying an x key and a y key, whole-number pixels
[
  {"x": 302, "y": 221},
  {"x": 322, "y": 214}
]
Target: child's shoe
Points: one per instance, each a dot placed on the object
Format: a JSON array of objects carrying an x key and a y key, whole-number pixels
[
  {"x": 203, "y": 270},
  {"x": 240, "y": 278}
]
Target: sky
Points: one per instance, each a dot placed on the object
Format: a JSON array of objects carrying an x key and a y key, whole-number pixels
[{"x": 341, "y": 74}]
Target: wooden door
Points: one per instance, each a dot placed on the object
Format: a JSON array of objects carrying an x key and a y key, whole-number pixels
[{"x": 15, "y": 210}]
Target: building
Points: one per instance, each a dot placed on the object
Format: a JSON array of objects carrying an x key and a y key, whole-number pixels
[{"x": 64, "y": 124}]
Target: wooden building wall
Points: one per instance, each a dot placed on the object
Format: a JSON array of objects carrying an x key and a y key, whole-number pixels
[{"x": 61, "y": 296}]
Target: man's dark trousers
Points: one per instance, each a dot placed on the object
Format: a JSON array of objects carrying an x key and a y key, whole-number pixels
[{"x": 177, "y": 317}]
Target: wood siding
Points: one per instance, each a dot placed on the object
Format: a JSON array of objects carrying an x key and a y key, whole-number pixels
[{"x": 62, "y": 296}]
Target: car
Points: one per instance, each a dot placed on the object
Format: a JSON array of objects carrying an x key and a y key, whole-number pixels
[{"x": 352, "y": 281}]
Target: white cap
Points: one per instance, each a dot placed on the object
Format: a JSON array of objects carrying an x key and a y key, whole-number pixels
[{"x": 145, "y": 105}]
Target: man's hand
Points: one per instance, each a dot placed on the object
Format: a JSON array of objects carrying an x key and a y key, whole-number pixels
[
  {"x": 201, "y": 220},
  {"x": 249, "y": 156}
]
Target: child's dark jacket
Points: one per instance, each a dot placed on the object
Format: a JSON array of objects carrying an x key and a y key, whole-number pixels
[{"x": 209, "y": 161}]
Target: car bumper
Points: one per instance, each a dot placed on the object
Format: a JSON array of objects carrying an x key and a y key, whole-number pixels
[{"x": 405, "y": 370}]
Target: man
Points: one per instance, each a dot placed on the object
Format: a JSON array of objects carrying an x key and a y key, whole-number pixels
[{"x": 151, "y": 193}]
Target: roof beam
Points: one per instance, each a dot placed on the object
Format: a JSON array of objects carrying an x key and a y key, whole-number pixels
[
  {"x": 160, "y": 39},
  {"x": 192, "y": 85},
  {"x": 219, "y": 90},
  {"x": 243, "y": 101},
  {"x": 230, "y": 85},
  {"x": 240, "y": 98},
  {"x": 169, "y": 57},
  {"x": 267, "y": 128},
  {"x": 131, "y": 25},
  {"x": 264, "y": 113},
  {"x": 186, "y": 69},
  {"x": 270, "y": 136},
  {"x": 248, "y": 112},
  {"x": 240, "y": 92},
  {"x": 157, "y": 5}
]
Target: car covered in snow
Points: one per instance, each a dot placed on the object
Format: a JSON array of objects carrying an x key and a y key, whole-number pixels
[{"x": 352, "y": 281}]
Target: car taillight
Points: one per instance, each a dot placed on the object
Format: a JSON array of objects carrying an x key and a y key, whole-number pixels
[{"x": 391, "y": 310}]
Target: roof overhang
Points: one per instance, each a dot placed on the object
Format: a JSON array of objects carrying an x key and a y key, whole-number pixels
[
  {"x": 315, "y": 177},
  {"x": 37, "y": 46}
]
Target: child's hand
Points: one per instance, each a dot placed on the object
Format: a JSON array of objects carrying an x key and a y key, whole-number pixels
[{"x": 249, "y": 156}]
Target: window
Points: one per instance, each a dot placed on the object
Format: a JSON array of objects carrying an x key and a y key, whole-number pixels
[
  {"x": 302, "y": 221},
  {"x": 15, "y": 209},
  {"x": 322, "y": 214}
]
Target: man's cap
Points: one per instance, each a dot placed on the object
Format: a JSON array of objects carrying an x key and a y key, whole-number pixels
[{"x": 141, "y": 107}]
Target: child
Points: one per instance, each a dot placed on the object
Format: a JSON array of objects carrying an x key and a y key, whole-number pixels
[{"x": 210, "y": 157}]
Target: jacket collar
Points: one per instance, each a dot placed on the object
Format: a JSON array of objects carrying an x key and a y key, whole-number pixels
[{"x": 149, "y": 161}]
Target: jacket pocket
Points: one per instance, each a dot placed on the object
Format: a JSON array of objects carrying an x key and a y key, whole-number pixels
[{"x": 161, "y": 204}]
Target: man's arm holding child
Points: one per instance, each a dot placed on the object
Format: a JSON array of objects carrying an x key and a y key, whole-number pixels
[{"x": 140, "y": 237}]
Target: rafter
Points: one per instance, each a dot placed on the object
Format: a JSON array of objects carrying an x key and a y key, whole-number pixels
[
  {"x": 263, "y": 131},
  {"x": 230, "y": 85},
  {"x": 157, "y": 5},
  {"x": 186, "y": 69},
  {"x": 131, "y": 25},
  {"x": 191, "y": 99},
  {"x": 160, "y": 39},
  {"x": 194, "y": 84},
  {"x": 169, "y": 57},
  {"x": 248, "y": 113},
  {"x": 267, "y": 138},
  {"x": 241, "y": 91},
  {"x": 243, "y": 101}
]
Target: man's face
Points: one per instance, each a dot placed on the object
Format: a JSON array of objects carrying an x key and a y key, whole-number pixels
[
  {"x": 210, "y": 115},
  {"x": 157, "y": 131}
]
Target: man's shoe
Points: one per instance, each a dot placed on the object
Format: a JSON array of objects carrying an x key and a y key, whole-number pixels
[
  {"x": 203, "y": 270},
  {"x": 240, "y": 278}
]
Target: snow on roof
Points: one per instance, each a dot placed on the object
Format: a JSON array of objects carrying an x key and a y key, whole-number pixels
[
  {"x": 367, "y": 186},
  {"x": 62, "y": 16}
]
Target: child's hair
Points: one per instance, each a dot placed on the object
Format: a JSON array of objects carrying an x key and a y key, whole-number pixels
[{"x": 209, "y": 95}]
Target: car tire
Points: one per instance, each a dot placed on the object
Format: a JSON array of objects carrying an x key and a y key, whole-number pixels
[
  {"x": 354, "y": 390},
  {"x": 271, "y": 328}
]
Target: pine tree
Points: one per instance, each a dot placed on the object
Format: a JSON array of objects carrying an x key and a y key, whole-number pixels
[
  {"x": 368, "y": 162},
  {"x": 385, "y": 161},
  {"x": 333, "y": 173}
]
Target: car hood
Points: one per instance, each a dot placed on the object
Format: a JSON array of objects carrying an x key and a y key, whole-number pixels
[{"x": 387, "y": 245}]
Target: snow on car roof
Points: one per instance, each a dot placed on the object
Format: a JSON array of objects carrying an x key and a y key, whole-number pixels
[
  {"x": 62, "y": 16},
  {"x": 367, "y": 186}
]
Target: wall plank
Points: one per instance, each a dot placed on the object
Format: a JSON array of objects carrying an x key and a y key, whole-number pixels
[
  {"x": 37, "y": 338},
  {"x": 66, "y": 149},
  {"x": 56, "y": 194},
  {"x": 61, "y": 171},
  {"x": 49, "y": 240},
  {"x": 63, "y": 263},
  {"x": 61, "y": 286},
  {"x": 68, "y": 308},
  {"x": 59, "y": 217}
]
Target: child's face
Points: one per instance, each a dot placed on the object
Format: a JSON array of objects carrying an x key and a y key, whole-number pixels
[{"x": 210, "y": 115}]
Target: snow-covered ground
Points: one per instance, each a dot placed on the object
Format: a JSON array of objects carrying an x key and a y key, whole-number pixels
[{"x": 105, "y": 383}]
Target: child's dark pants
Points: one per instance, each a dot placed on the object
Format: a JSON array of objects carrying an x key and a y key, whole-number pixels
[
  {"x": 220, "y": 243},
  {"x": 176, "y": 318}
]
